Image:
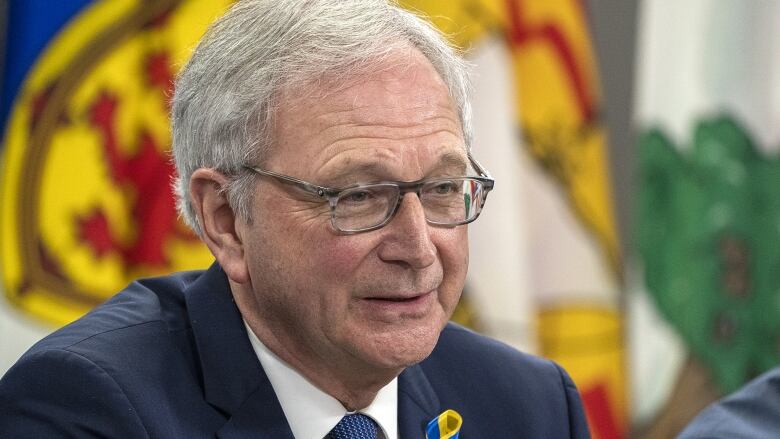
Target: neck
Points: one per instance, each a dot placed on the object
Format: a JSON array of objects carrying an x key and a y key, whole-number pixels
[
  {"x": 355, "y": 389},
  {"x": 353, "y": 382}
]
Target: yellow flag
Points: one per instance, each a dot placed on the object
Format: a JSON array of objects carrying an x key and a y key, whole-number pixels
[{"x": 558, "y": 106}]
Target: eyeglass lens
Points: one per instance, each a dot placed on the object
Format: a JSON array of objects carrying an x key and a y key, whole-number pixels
[{"x": 445, "y": 201}]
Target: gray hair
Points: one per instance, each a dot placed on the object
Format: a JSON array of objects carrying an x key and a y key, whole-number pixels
[{"x": 225, "y": 96}]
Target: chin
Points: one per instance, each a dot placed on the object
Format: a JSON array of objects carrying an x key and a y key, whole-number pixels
[{"x": 402, "y": 347}]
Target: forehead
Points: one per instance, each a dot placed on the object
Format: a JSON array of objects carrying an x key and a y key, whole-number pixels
[
  {"x": 403, "y": 79},
  {"x": 400, "y": 111}
]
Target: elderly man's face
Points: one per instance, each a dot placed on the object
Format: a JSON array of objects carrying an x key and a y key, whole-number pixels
[{"x": 376, "y": 299}]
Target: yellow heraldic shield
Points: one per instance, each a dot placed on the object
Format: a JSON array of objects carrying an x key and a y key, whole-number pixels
[{"x": 87, "y": 200}]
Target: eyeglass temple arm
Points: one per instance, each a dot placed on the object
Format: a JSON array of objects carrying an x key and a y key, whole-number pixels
[
  {"x": 479, "y": 168},
  {"x": 320, "y": 191}
]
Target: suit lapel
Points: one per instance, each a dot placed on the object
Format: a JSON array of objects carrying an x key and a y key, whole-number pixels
[
  {"x": 233, "y": 380},
  {"x": 260, "y": 416},
  {"x": 417, "y": 403}
]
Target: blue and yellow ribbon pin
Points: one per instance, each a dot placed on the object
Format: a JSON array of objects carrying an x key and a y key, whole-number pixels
[{"x": 445, "y": 426}]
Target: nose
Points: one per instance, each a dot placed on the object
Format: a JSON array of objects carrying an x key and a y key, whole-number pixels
[{"x": 408, "y": 237}]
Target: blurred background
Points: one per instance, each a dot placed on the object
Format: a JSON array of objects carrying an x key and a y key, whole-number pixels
[{"x": 634, "y": 231}]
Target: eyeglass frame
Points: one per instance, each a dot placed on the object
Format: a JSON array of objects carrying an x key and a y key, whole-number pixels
[{"x": 404, "y": 187}]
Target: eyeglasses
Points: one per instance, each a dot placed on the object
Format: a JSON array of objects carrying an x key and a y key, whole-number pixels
[{"x": 446, "y": 201}]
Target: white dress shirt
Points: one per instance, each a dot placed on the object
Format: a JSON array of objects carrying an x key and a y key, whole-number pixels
[{"x": 312, "y": 413}]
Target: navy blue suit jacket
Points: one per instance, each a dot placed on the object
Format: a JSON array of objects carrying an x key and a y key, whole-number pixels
[
  {"x": 751, "y": 412},
  {"x": 170, "y": 358}
]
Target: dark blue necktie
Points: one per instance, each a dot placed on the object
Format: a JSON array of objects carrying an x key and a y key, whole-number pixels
[{"x": 354, "y": 426}]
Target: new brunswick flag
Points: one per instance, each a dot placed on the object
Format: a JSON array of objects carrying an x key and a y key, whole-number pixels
[{"x": 570, "y": 251}]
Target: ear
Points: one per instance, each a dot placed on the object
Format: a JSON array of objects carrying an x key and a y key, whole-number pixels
[{"x": 218, "y": 222}]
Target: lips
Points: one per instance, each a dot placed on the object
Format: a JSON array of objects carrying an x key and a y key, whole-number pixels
[
  {"x": 401, "y": 298},
  {"x": 393, "y": 306}
]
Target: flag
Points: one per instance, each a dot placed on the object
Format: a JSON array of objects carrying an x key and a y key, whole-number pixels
[
  {"x": 86, "y": 176},
  {"x": 708, "y": 206},
  {"x": 553, "y": 235}
]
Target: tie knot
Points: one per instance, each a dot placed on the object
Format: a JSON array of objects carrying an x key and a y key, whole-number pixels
[{"x": 354, "y": 426}]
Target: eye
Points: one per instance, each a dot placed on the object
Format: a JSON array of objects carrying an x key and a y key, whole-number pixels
[
  {"x": 358, "y": 197},
  {"x": 445, "y": 188}
]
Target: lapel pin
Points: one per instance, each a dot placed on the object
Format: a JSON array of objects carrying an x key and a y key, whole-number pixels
[{"x": 445, "y": 426}]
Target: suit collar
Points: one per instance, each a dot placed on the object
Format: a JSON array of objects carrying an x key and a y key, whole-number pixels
[
  {"x": 233, "y": 380},
  {"x": 417, "y": 402}
]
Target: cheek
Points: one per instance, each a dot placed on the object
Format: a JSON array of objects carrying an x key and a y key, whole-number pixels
[
  {"x": 454, "y": 253},
  {"x": 341, "y": 255},
  {"x": 453, "y": 245}
]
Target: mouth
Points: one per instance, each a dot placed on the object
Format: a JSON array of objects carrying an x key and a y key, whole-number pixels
[
  {"x": 400, "y": 298},
  {"x": 401, "y": 305}
]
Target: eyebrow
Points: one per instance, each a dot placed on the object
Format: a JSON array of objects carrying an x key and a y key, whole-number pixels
[
  {"x": 451, "y": 160},
  {"x": 449, "y": 163}
]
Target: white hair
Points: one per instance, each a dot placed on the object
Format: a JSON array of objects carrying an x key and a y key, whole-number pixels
[{"x": 225, "y": 96}]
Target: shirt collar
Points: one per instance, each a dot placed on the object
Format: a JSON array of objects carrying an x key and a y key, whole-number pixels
[{"x": 312, "y": 413}]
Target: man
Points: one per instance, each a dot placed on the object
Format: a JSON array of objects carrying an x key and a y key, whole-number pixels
[
  {"x": 751, "y": 412},
  {"x": 323, "y": 152}
]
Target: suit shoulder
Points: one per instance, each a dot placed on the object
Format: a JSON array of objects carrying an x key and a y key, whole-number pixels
[
  {"x": 48, "y": 393},
  {"x": 462, "y": 356},
  {"x": 461, "y": 344},
  {"x": 471, "y": 373},
  {"x": 752, "y": 411},
  {"x": 153, "y": 301}
]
